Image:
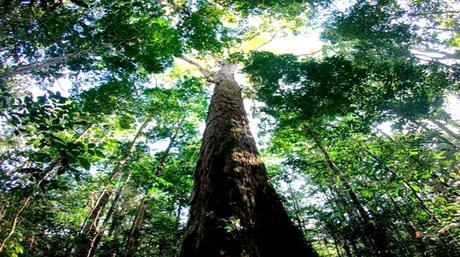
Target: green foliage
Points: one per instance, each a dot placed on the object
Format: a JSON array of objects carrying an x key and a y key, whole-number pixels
[{"x": 202, "y": 29}]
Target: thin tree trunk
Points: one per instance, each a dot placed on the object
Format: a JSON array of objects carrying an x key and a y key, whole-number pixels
[
  {"x": 337, "y": 249},
  {"x": 416, "y": 159},
  {"x": 85, "y": 242},
  {"x": 331, "y": 166},
  {"x": 117, "y": 197},
  {"x": 36, "y": 66},
  {"x": 30, "y": 193},
  {"x": 444, "y": 128},
  {"x": 3, "y": 208},
  {"x": 133, "y": 238},
  {"x": 415, "y": 193},
  {"x": 367, "y": 238},
  {"x": 161, "y": 246},
  {"x": 298, "y": 216},
  {"x": 149, "y": 248},
  {"x": 379, "y": 239},
  {"x": 447, "y": 141},
  {"x": 25, "y": 203},
  {"x": 179, "y": 212},
  {"x": 235, "y": 211},
  {"x": 117, "y": 224},
  {"x": 346, "y": 247},
  {"x": 404, "y": 182},
  {"x": 429, "y": 51},
  {"x": 109, "y": 214}
]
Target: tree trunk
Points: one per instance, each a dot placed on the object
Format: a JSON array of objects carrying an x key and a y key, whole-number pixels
[
  {"x": 417, "y": 160},
  {"x": 25, "y": 203},
  {"x": 378, "y": 237},
  {"x": 444, "y": 128},
  {"x": 297, "y": 212},
  {"x": 235, "y": 211},
  {"x": 117, "y": 227},
  {"x": 405, "y": 183},
  {"x": 346, "y": 247},
  {"x": 337, "y": 249},
  {"x": 97, "y": 238},
  {"x": 85, "y": 243},
  {"x": 133, "y": 238},
  {"x": 179, "y": 212},
  {"x": 349, "y": 209},
  {"x": 28, "y": 196},
  {"x": 446, "y": 140},
  {"x": 36, "y": 66}
]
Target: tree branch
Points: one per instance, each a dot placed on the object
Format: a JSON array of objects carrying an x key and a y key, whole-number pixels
[
  {"x": 207, "y": 73},
  {"x": 308, "y": 54},
  {"x": 267, "y": 42},
  {"x": 428, "y": 51}
]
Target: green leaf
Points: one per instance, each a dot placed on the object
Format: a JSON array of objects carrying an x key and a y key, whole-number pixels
[{"x": 84, "y": 163}]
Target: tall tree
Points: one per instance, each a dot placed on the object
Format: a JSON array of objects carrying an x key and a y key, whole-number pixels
[{"x": 234, "y": 209}]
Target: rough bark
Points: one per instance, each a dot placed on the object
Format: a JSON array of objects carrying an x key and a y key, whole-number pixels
[{"x": 235, "y": 211}]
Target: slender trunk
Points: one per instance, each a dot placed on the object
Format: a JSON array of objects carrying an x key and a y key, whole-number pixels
[
  {"x": 30, "y": 193},
  {"x": 337, "y": 172},
  {"x": 3, "y": 208},
  {"x": 97, "y": 238},
  {"x": 161, "y": 247},
  {"x": 429, "y": 51},
  {"x": 378, "y": 237},
  {"x": 338, "y": 195},
  {"x": 235, "y": 211},
  {"x": 86, "y": 243},
  {"x": 21, "y": 70},
  {"x": 25, "y": 203},
  {"x": 150, "y": 248},
  {"x": 346, "y": 247},
  {"x": 410, "y": 229},
  {"x": 179, "y": 212},
  {"x": 444, "y": 128},
  {"x": 133, "y": 238},
  {"x": 417, "y": 161},
  {"x": 295, "y": 203},
  {"x": 117, "y": 219},
  {"x": 337, "y": 249},
  {"x": 366, "y": 237},
  {"x": 404, "y": 182},
  {"x": 117, "y": 197},
  {"x": 117, "y": 225},
  {"x": 354, "y": 245},
  {"x": 447, "y": 141}
]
